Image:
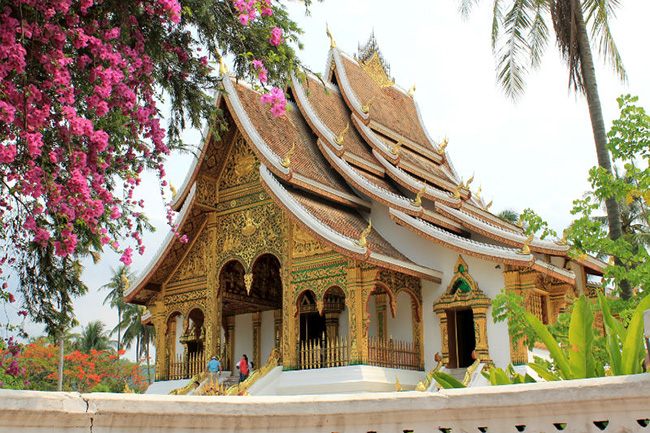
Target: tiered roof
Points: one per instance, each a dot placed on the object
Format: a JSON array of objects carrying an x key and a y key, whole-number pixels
[{"x": 359, "y": 138}]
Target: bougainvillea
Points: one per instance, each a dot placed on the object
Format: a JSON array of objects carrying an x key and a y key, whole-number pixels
[{"x": 81, "y": 85}]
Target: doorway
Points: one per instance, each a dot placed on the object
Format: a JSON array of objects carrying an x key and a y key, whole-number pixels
[{"x": 461, "y": 339}]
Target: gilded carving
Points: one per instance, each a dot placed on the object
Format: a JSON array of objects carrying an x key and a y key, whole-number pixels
[
  {"x": 376, "y": 71},
  {"x": 206, "y": 191},
  {"x": 241, "y": 166},
  {"x": 194, "y": 263},
  {"x": 304, "y": 245},
  {"x": 184, "y": 298}
]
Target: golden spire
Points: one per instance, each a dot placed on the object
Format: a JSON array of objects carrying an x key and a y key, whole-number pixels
[
  {"x": 364, "y": 234},
  {"x": 173, "y": 190},
  {"x": 457, "y": 191},
  {"x": 366, "y": 108},
  {"x": 339, "y": 140},
  {"x": 329, "y": 35},
  {"x": 488, "y": 205},
  {"x": 223, "y": 70},
  {"x": 418, "y": 197},
  {"x": 411, "y": 91},
  {"x": 478, "y": 192},
  {"x": 443, "y": 145},
  {"x": 395, "y": 149},
  {"x": 286, "y": 162},
  {"x": 471, "y": 179},
  {"x": 525, "y": 249}
]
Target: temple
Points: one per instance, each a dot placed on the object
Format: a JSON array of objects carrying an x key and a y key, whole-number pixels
[{"x": 341, "y": 235}]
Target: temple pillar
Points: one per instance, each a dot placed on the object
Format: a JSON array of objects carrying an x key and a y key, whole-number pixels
[
  {"x": 513, "y": 284},
  {"x": 230, "y": 339},
  {"x": 158, "y": 320},
  {"x": 361, "y": 282},
  {"x": 257, "y": 326},
  {"x": 290, "y": 323},
  {"x": 481, "y": 349},
  {"x": 214, "y": 304},
  {"x": 416, "y": 309}
]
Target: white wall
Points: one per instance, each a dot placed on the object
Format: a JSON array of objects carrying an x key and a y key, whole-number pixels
[
  {"x": 267, "y": 336},
  {"x": 180, "y": 349},
  {"x": 243, "y": 336}
]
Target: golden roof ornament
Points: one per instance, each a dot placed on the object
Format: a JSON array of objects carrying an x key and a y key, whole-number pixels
[
  {"x": 339, "y": 140},
  {"x": 457, "y": 191},
  {"x": 329, "y": 35},
  {"x": 173, "y": 190},
  {"x": 478, "y": 191},
  {"x": 286, "y": 162},
  {"x": 395, "y": 149},
  {"x": 418, "y": 198},
  {"x": 366, "y": 108},
  {"x": 223, "y": 70},
  {"x": 487, "y": 207},
  {"x": 364, "y": 234},
  {"x": 443, "y": 145},
  {"x": 525, "y": 249},
  {"x": 411, "y": 91},
  {"x": 562, "y": 241},
  {"x": 471, "y": 179},
  {"x": 520, "y": 222}
]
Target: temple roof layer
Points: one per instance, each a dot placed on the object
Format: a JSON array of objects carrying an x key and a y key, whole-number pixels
[{"x": 348, "y": 146}]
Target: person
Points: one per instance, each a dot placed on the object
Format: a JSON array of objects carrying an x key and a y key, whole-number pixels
[
  {"x": 214, "y": 369},
  {"x": 242, "y": 366}
]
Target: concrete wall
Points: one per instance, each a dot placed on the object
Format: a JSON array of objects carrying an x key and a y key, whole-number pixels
[
  {"x": 620, "y": 401},
  {"x": 243, "y": 336}
]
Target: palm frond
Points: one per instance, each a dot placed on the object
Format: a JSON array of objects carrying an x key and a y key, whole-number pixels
[
  {"x": 598, "y": 13},
  {"x": 539, "y": 32},
  {"x": 497, "y": 21},
  {"x": 510, "y": 67},
  {"x": 465, "y": 7}
]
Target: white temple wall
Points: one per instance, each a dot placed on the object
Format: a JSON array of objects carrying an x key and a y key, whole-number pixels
[
  {"x": 179, "y": 348},
  {"x": 487, "y": 274},
  {"x": 243, "y": 336},
  {"x": 401, "y": 326},
  {"x": 267, "y": 336}
]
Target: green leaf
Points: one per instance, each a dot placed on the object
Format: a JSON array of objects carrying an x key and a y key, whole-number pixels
[
  {"x": 633, "y": 345},
  {"x": 552, "y": 346},
  {"x": 581, "y": 338},
  {"x": 612, "y": 337},
  {"x": 543, "y": 372},
  {"x": 447, "y": 381},
  {"x": 499, "y": 377}
]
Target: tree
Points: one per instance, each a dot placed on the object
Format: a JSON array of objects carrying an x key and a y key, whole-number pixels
[
  {"x": 519, "y": 38},
  {"x": 135, "y": 330},
  {"x": 93, "y": 337},
  {"x": 119, "y": 282},
  {"x": 80, "y": 120}
]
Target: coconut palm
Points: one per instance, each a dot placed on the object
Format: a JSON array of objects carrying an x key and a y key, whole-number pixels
[
  {"x": 93, "y": 337},
  {"x": 118, "y": 283},
  {"x": 509, "y": 215},
  {"x": 136, "y": 331},
  {"x": 520, "y": 35}
]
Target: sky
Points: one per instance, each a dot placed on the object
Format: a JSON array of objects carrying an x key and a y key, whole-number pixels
[{"x": 535, "y": 153}]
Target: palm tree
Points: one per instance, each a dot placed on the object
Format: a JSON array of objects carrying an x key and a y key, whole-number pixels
[
  {"x": 135, "y": 330},
  {"x": 519, "y": 38},
  {"x": 119, "y": 282},
  {"x": 93, "y": 337},
  {"x": 509, "y": 215}
]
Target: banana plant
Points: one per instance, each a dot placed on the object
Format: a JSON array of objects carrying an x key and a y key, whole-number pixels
[
  {"x": 509, "y": 376},
  {"x": 624, "y": 346}
]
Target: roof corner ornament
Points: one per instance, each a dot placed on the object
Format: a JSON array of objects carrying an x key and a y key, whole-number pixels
[
  {"x": 363, "y": 242},
  {"x": 339, "y": 140},
  {"x": 457, "y": 191},
  {"x": 286, "y": 162},
  {"x": 525, "y": 249},
  {"x": 366, "y": 108},
  {"x": 329, "y": 35},
  {"x": 418, "y": 198},
  {"x": 411, "y": 91},
  {"x": 562, "y": 241},
  {"x": 395, "y": 149},
  {"x": 173, "y": 190},
  {"x": 520, "y": 221},
  {"x": 471, "y": 179},
  {"x": 223, "y": 70},
  {"x": 443, "y": 145},
  {"x": 478, "y": 191},
  {"x": 487, "y": 207}
]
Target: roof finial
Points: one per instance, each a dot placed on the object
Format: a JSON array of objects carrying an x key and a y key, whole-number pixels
[
  {"x": 366, "y": 108},
  {"x": 457, "y": 190},
  {"x": 488, "y": 205},
  {"x": 395, "y": 149},
  {"x": 411, "y": 91},
  {"x": 525, "y": 249},
  {"x": 364, "y": 234},
  {"x": 286, "y": 162},
  {"x": 339, "y": 140},
  {"x": 471, "y": 179},
  {"x": 443, "y": 145},
  {"x": 418, "y": 198},
  {"x": 478, "y": 191},
  {"x": 223, "y": 70},
  {"x": 329, "y": 35}
]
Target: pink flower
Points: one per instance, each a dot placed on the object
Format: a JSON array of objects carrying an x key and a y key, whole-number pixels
[
  {"x": 261, "y": 75},
  {"x": 276, "y": 36},
  {"x": 243, "y": 19},
  {"x": 127, "y": 256},
  {"x": 256, "y": 64}
]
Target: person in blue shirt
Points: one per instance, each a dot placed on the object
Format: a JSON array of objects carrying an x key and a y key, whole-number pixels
[{"x": 214, "y": 369}]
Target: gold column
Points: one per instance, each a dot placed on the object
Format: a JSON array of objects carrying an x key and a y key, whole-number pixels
[
  {"x": 214, "y": 313},
  {"x": 444, "y": 332},
  {"x": 417, "y": 329},
  {"x": 277, "y": 328},
  {"x": 480, "y": 329},
  {"x": 361, "y": 282},
  {"x": 230, "y": 338},
  {"x": 380, "y": 307},
  {"x": 257, "y": 325},
  {"x": 161, "y": 348}
]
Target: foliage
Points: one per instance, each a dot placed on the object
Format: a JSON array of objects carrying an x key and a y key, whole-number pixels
[
  {"x": 93, "y": 337},
  {"x": 510, "y": 307},
  {"x": 81, "y": 83},
  {"x": 629, "y": 142},
  {"x": 509, "y": 376},
  {"x": 576, "y": 360},
  {"x": 534, "y": 224},
  {"x": 83, "y": 371},
  {"x": 447, "y": 381}
]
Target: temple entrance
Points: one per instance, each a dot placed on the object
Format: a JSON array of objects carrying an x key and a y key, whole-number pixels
[
  {"x": 461, "y": 339},
  {"x": 312, "y": 324}
]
